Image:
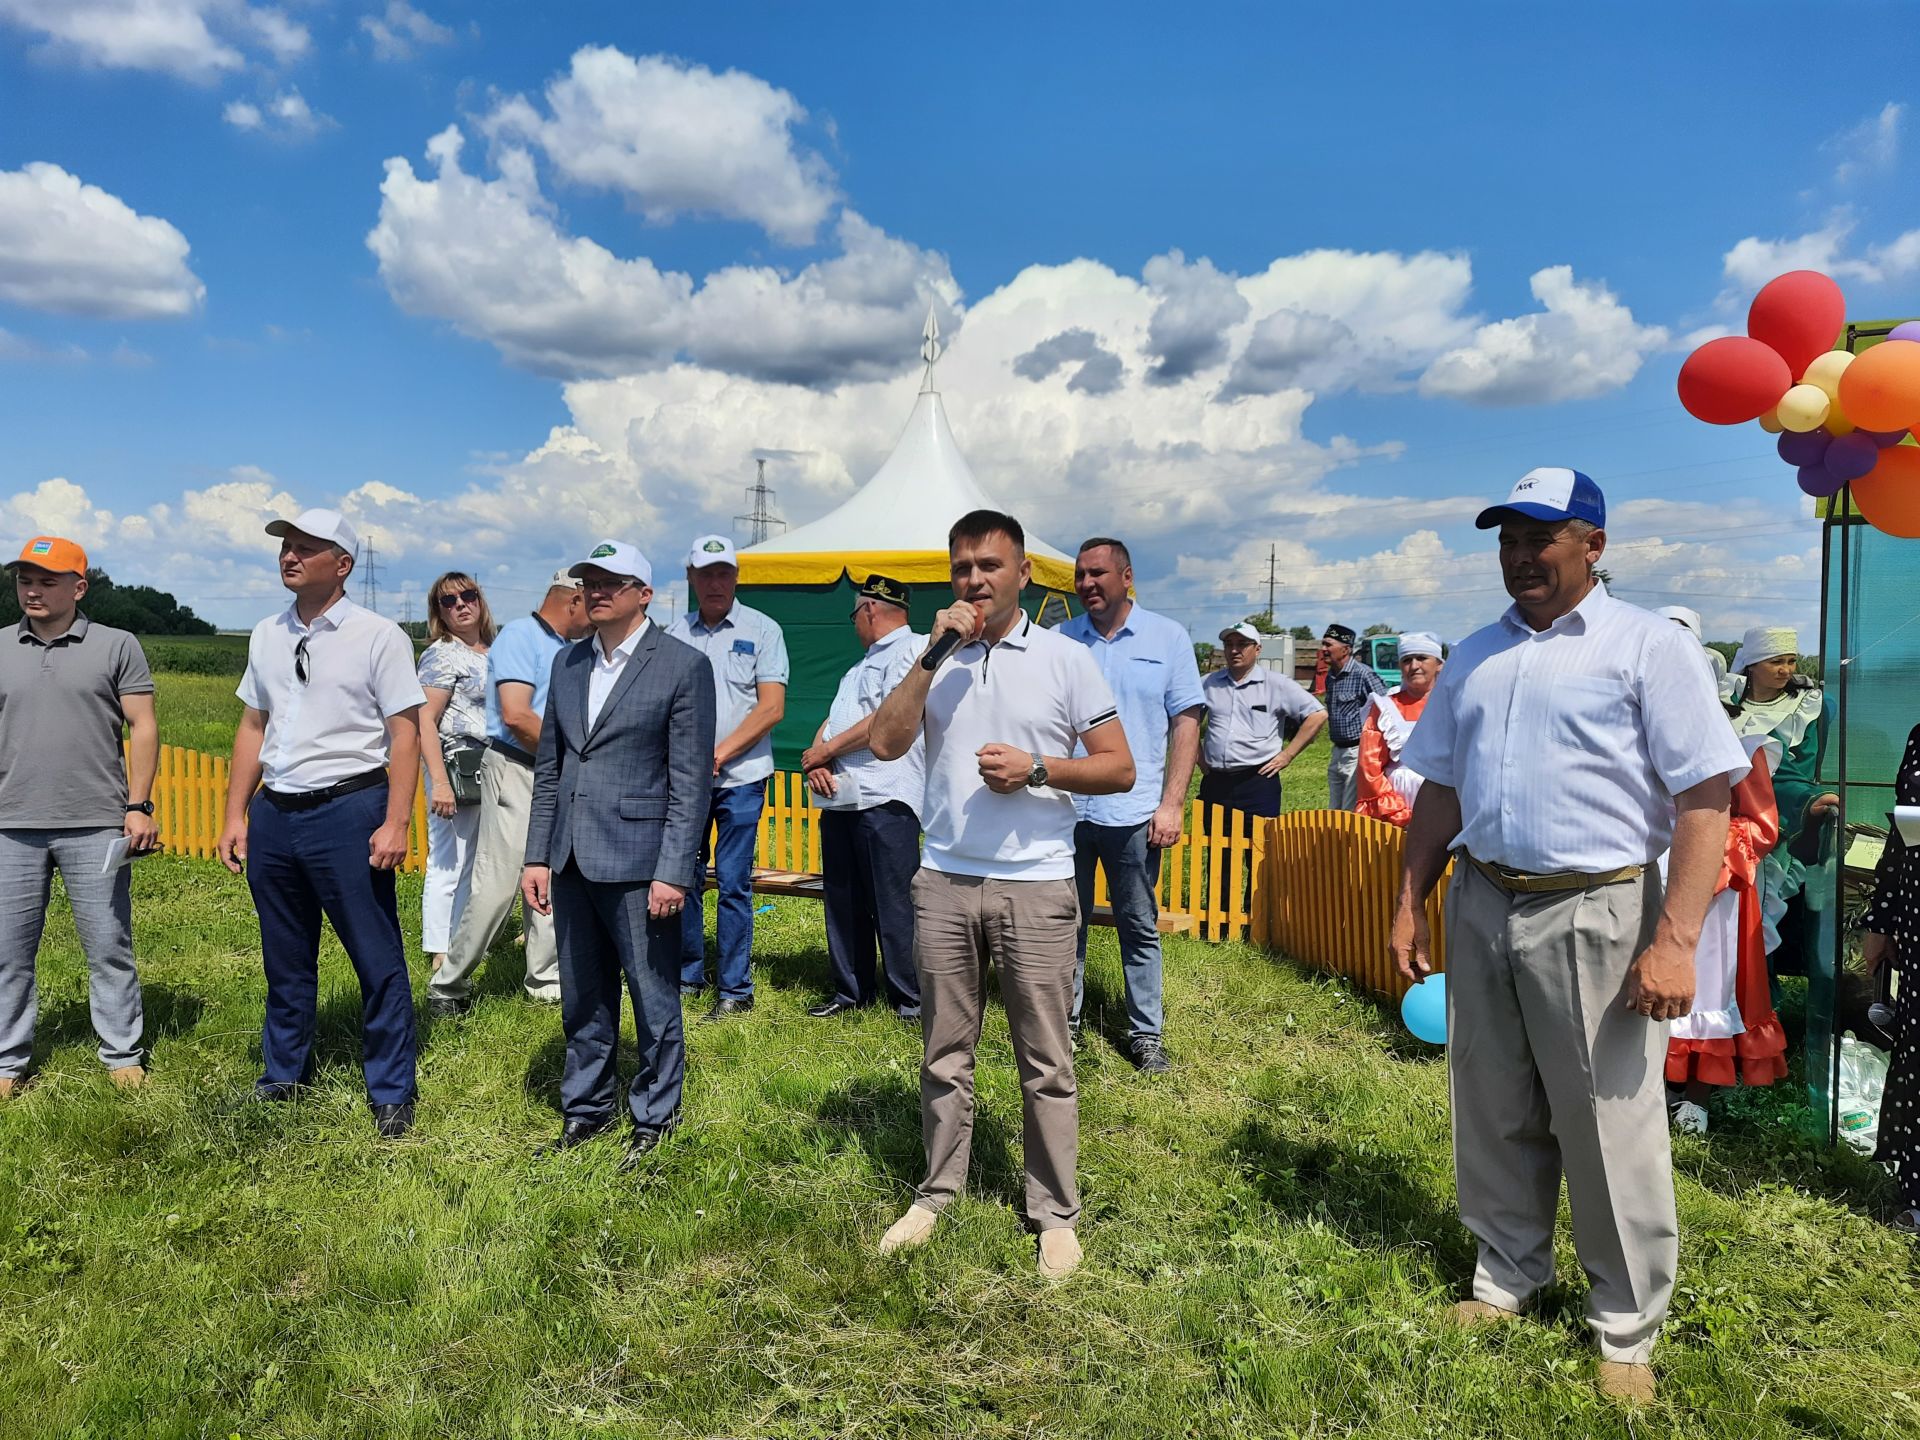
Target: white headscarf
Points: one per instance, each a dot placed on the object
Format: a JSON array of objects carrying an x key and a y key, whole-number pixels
[
  {"x": 1682, "y": 615},
  {"x": 1763, "y": 642},
  {"x": 1420, "y": 642}
]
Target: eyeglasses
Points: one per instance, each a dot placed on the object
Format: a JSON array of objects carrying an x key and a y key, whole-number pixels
[
  {"x": 459, "y": 597},
  {"x": 608, "y": 584},
  {"x": 302, "y": 668}
]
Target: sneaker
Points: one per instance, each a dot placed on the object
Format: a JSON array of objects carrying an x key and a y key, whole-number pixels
[
  {"x": 439, "y": 1008},
  {"x": 1688, "y": 1118},
  {"x": 1149, "y": 1056},
  {"x": 1907, "y": 1222}
]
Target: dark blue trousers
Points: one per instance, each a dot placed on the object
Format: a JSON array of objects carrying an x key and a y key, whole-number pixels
[
  {"x": 603, "y": 933},
  {"x": 870, "y": 858},
  {"x": 300, "y": 864}
]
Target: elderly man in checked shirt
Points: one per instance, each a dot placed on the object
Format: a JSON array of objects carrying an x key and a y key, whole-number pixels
[
  {"x": 1565, "y": 746},
  {"x": 1351, "y": 687}
]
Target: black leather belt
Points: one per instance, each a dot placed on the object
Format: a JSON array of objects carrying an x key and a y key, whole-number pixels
[
  {"x": 1345, "y": 744},
  {"x": 512, "y": 752},
  {"x": 314, "y": 799}
]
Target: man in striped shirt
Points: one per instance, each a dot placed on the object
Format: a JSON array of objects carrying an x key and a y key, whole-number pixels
[
  {"x": 1564, "y": 748},
  {"x": 1351, "y": 687}
]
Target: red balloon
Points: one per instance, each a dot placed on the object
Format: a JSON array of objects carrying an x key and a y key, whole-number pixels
[
  {"x": 1800, "y": 314},
  {"x": 1890, "y": 497},
  {"x": 1732, "y": 380}
]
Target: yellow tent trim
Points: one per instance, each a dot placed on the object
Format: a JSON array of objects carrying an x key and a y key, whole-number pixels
[{"x": 914, "y": 567}]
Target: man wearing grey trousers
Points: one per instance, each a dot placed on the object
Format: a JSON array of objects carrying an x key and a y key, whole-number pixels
[
  {"x": 67, "y": 689},
  {"x": 620, "y": 798},
  {"x": 1563, "y": 748}
]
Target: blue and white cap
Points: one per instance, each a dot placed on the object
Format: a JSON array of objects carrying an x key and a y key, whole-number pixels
[
  {"x": 616, "y": 557},
  {"x": 1550, "y": 493}
]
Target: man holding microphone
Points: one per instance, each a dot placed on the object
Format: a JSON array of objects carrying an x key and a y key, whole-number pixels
[{"x": 1002, "y": 718}]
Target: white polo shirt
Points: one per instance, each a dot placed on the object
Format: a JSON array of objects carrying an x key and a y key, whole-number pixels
[
  {"x": 1038, "y": 692},
  {"x": 359, "y": 674},
  {"x": 1567, "y": 745}
]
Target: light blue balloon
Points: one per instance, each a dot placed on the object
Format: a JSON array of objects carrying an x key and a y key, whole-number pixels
[{"x": 1424, "y": 1009}]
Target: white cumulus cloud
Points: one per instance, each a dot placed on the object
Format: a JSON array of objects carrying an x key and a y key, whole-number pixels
[
  {"x": 675, "y": 138},
  {"x": 191, "y": 39},
  {"x": 73, "y": 249},
  {"x": 286, "y": 115},
  {"x": 397, "y": 30},
  {"x": 1754, "y": 261},
  {"x": 1584, "y": 343}
]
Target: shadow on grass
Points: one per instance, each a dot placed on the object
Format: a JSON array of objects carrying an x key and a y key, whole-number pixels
[
  {"x": 880, "y": 1115},
  {"x": 169, "y": 1011},
  {"x": 1361, "y": 1191},
  {"x": 807, "y": 970}
]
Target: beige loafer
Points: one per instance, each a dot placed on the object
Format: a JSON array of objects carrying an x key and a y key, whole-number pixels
[
  {"x": 1472, "y": 1314},
  {"x": 128, "y": 1077},
  {"x": 911, "y": 1229},
  {"x": 1059, "y": 1254},
  {"x": 1627, "y": 1384},
  {"x": 10, "y": 1086}
]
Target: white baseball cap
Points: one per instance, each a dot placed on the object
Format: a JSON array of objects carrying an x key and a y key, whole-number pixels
[
  {"x": 712, "y": 550},
  {"x": 1244, "y": 630},
  {"x": 616, "y": 557},
  {"x": 328, "y": 525},
  {"x": 564, "y": 580},
  {"x": 1420, "y": 642}
]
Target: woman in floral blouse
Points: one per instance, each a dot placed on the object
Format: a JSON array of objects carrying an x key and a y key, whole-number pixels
[{"x": 453, "y": 672}]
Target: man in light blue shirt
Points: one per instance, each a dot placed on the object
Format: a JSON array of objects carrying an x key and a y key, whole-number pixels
[
  {"x": 748, "y": 655},
  {"x": 1148, "y": 661},
  {"x": 519, "y": 665},
  {"x": 869, "y": 816}
]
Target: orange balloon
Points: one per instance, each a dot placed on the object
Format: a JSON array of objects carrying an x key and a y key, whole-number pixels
[
  {"x": 1880, "y": 390},
  {"x": 1889, "y": 497}
]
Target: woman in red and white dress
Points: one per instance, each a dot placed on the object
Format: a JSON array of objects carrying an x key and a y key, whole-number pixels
[
  {"x": 1732, "y": 1036},
  {"x": 1384, "y": 787}
]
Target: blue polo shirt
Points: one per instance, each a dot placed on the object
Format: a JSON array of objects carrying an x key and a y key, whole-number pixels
[
  {"x": 523, "y": 651},
  {"x": 745, "y": 650},
  {"x": 1148, "y": 663}
]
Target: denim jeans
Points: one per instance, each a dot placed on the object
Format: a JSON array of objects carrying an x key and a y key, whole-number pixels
[
  {"x": 736, "y": 811},
  {"x": 1133, "y": 886}
]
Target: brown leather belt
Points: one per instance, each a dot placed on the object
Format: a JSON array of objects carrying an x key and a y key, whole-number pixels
[{"x": 1521, "y": 882}]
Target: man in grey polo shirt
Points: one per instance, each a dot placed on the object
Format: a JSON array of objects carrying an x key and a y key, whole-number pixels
[
  {"x": 748, "y": 655},
  {"x": 67, "y": 689},
  {"x": 1249, "y": 711}
]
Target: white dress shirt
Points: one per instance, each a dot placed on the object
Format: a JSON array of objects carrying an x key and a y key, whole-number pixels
[
  {"x": 865, "y": 783},
  {"x": 607, "y": 670},
  {"x": 359, "y": 674},
  {"x": 1567, "y": 745}
]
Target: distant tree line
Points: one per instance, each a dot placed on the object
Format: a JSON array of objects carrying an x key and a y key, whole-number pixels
[{"x": 139, "y": 608}]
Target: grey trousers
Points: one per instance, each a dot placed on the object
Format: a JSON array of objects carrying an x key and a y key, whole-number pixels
[
  {"x": 1551, "y": 1072},
  {"x": 500, "y": 853},
  {"x": 102, "y": 913},
  {"x": 1026, "y": 928},
  {"x": 1343, "y": 778}
]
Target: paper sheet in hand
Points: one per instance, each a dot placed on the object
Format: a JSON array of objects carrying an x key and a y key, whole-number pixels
[
  {"x": 1906, "y": 819},
  {"x": 117, "y": 855}
]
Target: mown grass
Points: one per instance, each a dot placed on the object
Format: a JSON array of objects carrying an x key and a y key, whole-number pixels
[{"x": 1270, "y": 1234}]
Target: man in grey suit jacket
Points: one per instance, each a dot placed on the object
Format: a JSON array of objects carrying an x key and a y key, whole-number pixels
[{"x": 620, "y": 792}]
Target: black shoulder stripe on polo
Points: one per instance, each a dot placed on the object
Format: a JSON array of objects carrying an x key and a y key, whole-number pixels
[{"x": 1101, "y": 719}]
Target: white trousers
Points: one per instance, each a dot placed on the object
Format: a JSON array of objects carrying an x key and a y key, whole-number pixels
[{"x": 450, "y": 847}]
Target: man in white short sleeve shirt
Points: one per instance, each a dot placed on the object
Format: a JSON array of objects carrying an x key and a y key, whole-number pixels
[
  {"x": 1001, "y": 718},
  {"x": 1563, "y": 748}
]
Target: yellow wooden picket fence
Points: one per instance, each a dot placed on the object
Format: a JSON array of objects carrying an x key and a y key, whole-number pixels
[{"x": 1315, "y": 884}]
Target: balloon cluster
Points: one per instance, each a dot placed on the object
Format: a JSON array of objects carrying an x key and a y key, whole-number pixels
[{"x": 1841, "y": 417}]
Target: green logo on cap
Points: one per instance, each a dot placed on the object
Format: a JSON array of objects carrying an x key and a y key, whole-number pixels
[
  {"x": 714, "y": 547},
  {"x": 601, "y": 551}
]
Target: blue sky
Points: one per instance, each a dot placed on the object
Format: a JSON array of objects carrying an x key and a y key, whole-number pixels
[{"x": 1345, "y": 276}]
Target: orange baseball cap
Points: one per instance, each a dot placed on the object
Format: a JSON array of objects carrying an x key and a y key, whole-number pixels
[{"x": 50, "y": 552}]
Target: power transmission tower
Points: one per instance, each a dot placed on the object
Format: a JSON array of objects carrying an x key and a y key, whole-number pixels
[
  {"x": 369, "y": 577},
  {"x": 761, "y": 520},
  {"x": 1271, "y": 552}
]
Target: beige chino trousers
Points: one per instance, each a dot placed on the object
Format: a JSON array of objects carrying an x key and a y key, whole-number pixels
[
  {"x": 500, "y": 853},
  {"x": 1550, "y": 1072},
  {"x": 1028, "y": 930}
]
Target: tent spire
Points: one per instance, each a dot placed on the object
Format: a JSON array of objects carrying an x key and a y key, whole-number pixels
[{"x": 929, "y": 349}]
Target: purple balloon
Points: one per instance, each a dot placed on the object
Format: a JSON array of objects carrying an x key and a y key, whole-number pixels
[
  {"x": 1808, "y": 447},
  {"x": 1906, "y": 330},
  {"x": 1883, "y": 438},
  {"x": 1815, "y": 480},
  {"x": 1851, "y": 456}
]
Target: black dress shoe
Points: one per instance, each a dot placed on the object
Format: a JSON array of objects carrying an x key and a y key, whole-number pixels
[
  {"x": 393, "y": 1121},
  {"x": 439, "y": 1009},
  {"x": 640, "y": 1144},
  {"x": 274, "y": 1091},
  {"x": 579, "y": 1132},
  {"x": 827, "y": 1009},
  {"x": 728, "y": 1005}
]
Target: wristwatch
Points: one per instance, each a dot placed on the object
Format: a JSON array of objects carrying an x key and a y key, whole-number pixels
[
  {"x": 1037, "y": 776},
  {"x": 145, "y": 807}
]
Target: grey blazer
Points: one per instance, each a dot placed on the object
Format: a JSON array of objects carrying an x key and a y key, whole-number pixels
[{"x": 626, "y": 800}]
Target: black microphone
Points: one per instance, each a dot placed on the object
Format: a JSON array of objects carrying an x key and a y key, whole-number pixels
[{"x": 942, "y": 648}]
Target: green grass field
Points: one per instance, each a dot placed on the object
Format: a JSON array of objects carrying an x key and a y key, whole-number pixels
[{"x": 1269, "y": 1231}]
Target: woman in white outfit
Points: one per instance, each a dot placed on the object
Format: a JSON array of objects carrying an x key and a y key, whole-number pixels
[{"x": 453, "y": 672}]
